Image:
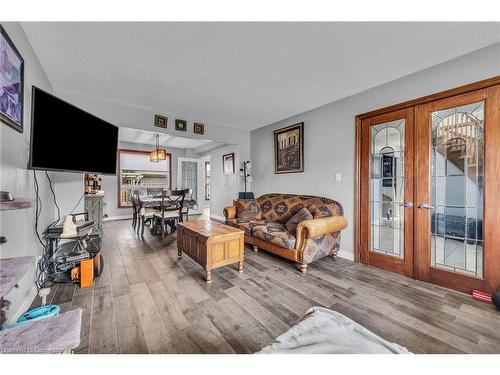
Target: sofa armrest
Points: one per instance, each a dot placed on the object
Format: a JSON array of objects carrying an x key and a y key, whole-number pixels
[
  {"x": 230, "y": 212},
  {"x": 318, "y": 227}
]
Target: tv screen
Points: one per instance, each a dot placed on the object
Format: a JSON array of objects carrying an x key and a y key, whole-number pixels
[{"x": 66, "y": 138}]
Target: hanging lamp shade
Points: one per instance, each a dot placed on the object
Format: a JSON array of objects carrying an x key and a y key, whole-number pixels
[{"x": 158, "y": 154}]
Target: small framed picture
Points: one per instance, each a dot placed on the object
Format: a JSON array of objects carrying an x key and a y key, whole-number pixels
[
  {"x": 11, "y": 83},
  {"x": 199, "y": 128},
  {"x": 228, "y": 163},
  {"x": 180, "y": 125},
  {"x": 160, "y": 121}
]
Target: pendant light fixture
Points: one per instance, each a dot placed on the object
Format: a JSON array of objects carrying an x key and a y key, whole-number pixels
[{"x": 158, "y": 154}]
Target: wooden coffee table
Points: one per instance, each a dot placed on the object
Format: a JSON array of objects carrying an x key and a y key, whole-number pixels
[{"x": 210, "y": 244}]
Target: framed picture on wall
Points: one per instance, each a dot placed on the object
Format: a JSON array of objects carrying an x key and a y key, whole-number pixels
[
  {"x": 199, "y": 128},
  {"x": 228, "y": 163},
  {"x": 289, "y": 149},
  {"x": 160, "y": 121},
  {"x": 11, "y": 83},
  {"x": 180, "y": 125}
]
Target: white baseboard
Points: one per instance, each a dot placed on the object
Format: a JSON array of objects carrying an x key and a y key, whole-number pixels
[
  {"x": 346, "y": 255},
  {"x": 217, "y": 217},
  {"x": 121, "y": 217},
  {"x": 28, "y": 300}
]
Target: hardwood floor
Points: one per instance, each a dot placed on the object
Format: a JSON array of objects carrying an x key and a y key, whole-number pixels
[{"x": 146, "y": 301}]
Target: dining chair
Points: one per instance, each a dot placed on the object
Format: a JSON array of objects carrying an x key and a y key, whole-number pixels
[
  {"x": 185, "y": 209},
  {"x": 146, "y": 215},
  {"x": 172, "y": 203},
  {"x": 134, "y": 194}
]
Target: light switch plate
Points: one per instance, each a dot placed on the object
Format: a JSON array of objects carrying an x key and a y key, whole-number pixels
[{"x": 338, "y": 177}]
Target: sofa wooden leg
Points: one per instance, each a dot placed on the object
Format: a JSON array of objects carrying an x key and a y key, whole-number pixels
[
  {"x": 303, "y": 267},
  {"x": 255, "y": 248},
  {"x": 333, "y": 255}
]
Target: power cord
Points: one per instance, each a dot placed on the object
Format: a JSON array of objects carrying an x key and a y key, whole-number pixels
[
  {"x": 43, "y": 262},
  {"x": 55, "y": 201},
  {"x": 79, "y": 200},
  {"x": 38, "y": 207}
]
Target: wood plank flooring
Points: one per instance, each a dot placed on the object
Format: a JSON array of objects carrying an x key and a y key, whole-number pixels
[{"x": 146, "y": 301}]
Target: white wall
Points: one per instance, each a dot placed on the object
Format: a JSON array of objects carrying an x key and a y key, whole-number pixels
[
  {"x": 329, "y": 132},
  {"x": 224, "y": 188},
  {"x": 202, "y": 202},
  {"x": 128, "y": 115},
  {"x": 69, "y": 186},
  {"x": 18, "y": 226}
]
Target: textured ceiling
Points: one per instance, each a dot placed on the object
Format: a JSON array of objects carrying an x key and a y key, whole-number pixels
[{"x": 244, "y": 75}]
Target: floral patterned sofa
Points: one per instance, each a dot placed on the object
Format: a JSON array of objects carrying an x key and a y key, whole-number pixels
[{"x": 264, "y": 221}]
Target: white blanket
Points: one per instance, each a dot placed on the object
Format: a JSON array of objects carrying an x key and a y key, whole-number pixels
[{"x": 323, "y": 331}]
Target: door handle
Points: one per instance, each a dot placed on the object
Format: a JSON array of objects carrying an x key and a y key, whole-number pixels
[
  {"x": 407, "y": 204},
  {"x": 426, "y": 206}
]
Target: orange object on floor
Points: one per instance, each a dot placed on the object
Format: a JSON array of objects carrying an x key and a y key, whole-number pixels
[
  {"x": 75, "y": 274},
  {"x": 86, "y": 273}
]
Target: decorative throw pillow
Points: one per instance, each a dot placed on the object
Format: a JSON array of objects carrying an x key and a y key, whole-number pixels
[
  {"x": 291, "y": 211},
  {"x": 301, "y": 215},
  {"x": 248, "y": 209},
  {"x": 319, "y": 212}
]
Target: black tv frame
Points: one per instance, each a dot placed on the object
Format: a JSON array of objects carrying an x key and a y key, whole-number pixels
[{"x": 30, "y": 160}]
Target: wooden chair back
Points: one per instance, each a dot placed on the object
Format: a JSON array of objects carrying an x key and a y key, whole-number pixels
[{"x": 173, "y": 200}]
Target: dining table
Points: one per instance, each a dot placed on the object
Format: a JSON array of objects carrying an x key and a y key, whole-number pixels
[{"x": 154, "y": 201}]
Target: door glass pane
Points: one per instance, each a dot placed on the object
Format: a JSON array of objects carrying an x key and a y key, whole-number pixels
[
  {"x": 387, "y": 188},
  {"x": 457, "y": 189},
  {"x": 190, "y": 177}
]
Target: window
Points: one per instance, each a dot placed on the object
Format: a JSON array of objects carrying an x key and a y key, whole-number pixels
[
  {"x": 137, "y": 173},
  {"x": 207, "y": 180}
]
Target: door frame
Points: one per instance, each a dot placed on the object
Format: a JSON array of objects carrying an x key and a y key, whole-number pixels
[{"x": 492, "y": 189}]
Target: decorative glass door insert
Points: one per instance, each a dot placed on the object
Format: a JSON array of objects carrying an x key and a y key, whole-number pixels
[
  {"x": 457, "y": 188},
  {"x": 386, "y": 193},
  {"x": 387, "y": 186}
]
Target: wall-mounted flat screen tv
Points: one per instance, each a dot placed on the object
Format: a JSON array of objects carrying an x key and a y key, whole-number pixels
[{"x": 66, "y": 138}]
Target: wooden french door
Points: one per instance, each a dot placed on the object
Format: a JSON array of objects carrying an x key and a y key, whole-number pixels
[
  {"x": 429, "y": 190},
  {"x": 457, "y": 191},
  {"x": 386, "y": 191}
]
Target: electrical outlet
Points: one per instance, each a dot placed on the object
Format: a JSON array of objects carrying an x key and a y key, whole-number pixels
[{"x": 338, "y": 177}]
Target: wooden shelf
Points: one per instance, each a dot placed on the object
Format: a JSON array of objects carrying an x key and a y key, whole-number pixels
[
  {"x": 57, "y": 334},
  {"x": 12, "y": 270},
  {"x": 16, "y": 204}
]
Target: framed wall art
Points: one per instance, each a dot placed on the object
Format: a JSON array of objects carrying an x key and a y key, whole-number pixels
[
  {"x": 180, "y": 125},
  {"x": 199, "y": 128},
  {"x": 161, "y": 121},
  {"x": 11, "y": 83},
  {"x": 289, "y": 149},
  {"x": 228, "y": 163}
]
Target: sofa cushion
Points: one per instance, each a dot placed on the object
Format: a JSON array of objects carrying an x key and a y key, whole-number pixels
[
  {"x": 275, "y": 233},
  {"x": 246, "y": 226},
  {"x": 248, "y": 209},
  {"x": 301, "y": 215}
]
